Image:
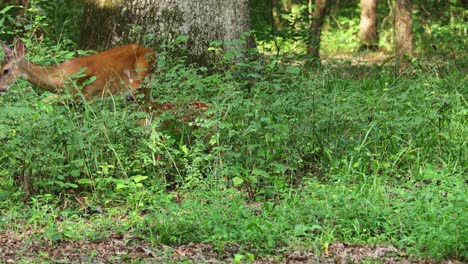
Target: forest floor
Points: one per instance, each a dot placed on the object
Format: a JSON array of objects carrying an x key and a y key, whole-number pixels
[{"x": 24, "y": 247}]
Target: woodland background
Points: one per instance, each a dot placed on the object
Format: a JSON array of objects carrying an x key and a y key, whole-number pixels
[{"x": 324, "y": 141}]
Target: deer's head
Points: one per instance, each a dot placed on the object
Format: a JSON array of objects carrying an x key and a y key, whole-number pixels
[{"x": 9, "y": 67}]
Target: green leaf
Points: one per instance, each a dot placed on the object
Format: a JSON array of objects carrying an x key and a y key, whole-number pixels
[
  {"x": 181, "y": 39},
  {"x": 120, "y": 186},
  {"x": 259, "y": 172},
  {"x": 6, "y": 9},
  {"x": 237, "y": 181},
  {"x": 89, "y": 81},
  {"x": 84, "y": 181},
  {"x": 184, "y": 149},
  {"x": 71, "y": 185},
  {"x": 139, "y": 178},
  {"x": 294, "y": 70},
  {"x": 238, "y": 258}
]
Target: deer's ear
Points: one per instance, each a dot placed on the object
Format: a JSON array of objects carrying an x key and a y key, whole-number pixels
[
  {"x": 7, "y": 51},
  {"x": 20, "y": 49}
]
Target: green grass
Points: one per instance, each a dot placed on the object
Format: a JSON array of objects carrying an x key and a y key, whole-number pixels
[{"x": 283, "y": 159}]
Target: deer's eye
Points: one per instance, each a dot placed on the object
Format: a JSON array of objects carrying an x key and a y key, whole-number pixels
[{"x": 6, "y": 71}]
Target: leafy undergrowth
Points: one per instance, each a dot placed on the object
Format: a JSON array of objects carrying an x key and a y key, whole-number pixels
[
  {"x": 284, "y": 165},
  {"x": 376, "y": 220}
]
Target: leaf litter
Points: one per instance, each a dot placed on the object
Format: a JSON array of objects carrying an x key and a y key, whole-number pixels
[{"x": 18, "y": 248}]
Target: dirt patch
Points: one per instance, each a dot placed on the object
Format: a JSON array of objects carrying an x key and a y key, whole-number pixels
[{"x": 18, "y": 248}]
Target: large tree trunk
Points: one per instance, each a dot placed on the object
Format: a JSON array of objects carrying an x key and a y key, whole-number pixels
[
  {"x": 107, "y": 25},
  {"x": 404, "y": 48},
  {"x": 368, "y": 26},
  {"x": 316, "y": 24}
]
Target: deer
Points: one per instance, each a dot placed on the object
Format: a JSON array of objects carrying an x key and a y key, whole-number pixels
[{"x": 120, "y": 69}]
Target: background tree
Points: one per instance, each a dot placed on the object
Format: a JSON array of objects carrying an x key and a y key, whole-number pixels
[
  {"x": 404, "y": 48},
  {"x": 368, "y": 25},
  {"x": 17, "y": 20},
  {"x": 115, "y": 22},
  {"x": 316, "y": 24},
  {"x": 44, "y": 20}
]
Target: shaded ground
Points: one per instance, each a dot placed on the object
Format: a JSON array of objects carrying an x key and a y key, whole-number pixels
[{"x": 18, "y": 248}]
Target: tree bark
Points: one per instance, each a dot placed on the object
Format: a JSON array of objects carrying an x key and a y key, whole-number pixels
[
  {"x": 404, "y": 48},
  {"x": 108, "y": 23},
  {"x": 368, "y": 25},
  {"x": 276, "y": 24},
  {"x": 316, "y": 24}
]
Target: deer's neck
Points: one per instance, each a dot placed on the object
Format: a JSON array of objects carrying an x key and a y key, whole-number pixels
[{"x": 49, "y": 78}]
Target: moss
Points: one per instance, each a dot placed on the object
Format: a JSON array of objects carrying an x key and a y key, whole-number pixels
[
  {"x": 173, "y": 17},
  {"x": 198, "y": 56},
  {"x": 174, "y": 14}
]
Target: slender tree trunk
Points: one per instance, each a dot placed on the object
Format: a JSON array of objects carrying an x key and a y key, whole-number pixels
[
  {"x": 316, "y": 24},
  {"x": 276, "y": 24},
  {"x": 108, "y": 23},
  {"x": 24, "y": 4},
  {"x": 20, "y": 18},
  {"x": 368, "y": 25},
  {"x": 404, "y": 48}
]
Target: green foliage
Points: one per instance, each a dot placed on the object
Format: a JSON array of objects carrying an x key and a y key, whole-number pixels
[
  {"x": 341, "y": 39},
  {"x": 280, "y": 28},
  {"x": 439, "y": 26},
  {"x": 58, "y": 20},
  {"x": 283, "y": 157}
]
